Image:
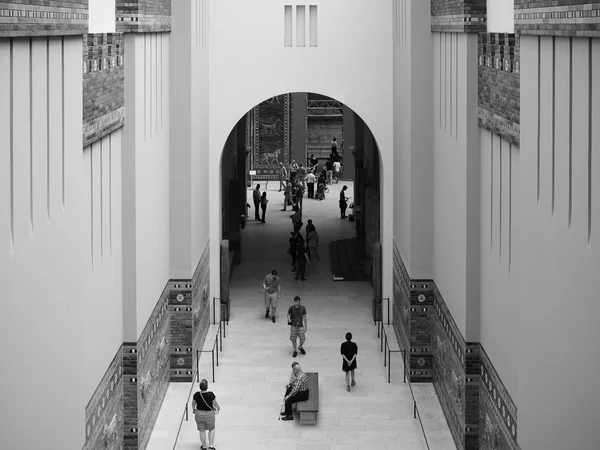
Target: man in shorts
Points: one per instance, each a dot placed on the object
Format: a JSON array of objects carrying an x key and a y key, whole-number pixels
[
  {"x": 272, "y": 294},
  {"x": 298, "y": 325}
]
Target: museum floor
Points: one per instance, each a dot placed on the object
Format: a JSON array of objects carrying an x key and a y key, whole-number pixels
[{"x": 255, "y": 362}]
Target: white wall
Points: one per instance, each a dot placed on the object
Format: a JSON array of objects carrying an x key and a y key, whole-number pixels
[
  {"x": 559, "y": 351},
  {"x": 102, "y": 16},
  {"x": 413, "y": 142},
  {"x": 145, "y": 178},
  {"x": 249, "y": 63},
  {"x": 45, "y": 264},
  {"x": 500, "y": 16}
]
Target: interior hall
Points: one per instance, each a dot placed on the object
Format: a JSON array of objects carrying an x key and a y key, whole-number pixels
[{"x": 358, "y": 224}]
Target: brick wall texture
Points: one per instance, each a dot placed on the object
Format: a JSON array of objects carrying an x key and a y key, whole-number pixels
[
  {"x": 200, "y": 303},
  {"x": 557, "y": 17},
  {"x": 104, "y": 412},
  {"x": 180, "y": 332},
  {"x": 43, "y": 18},
  {"x": 478, "y": 409},
  {"x": 143, "y": 16},
  {"x": 103, "y": 85},
  {"x": 458, "y": 16},
  {"x": 499, "y": 85}
]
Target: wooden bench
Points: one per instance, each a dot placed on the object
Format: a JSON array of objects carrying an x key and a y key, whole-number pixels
[{"x": 308, "y": 409}]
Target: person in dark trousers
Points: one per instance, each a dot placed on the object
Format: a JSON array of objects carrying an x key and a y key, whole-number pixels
[
  {"x": 283, "y": 176},
  {"x": 256, "y": 198},
  {"x": 349, "y": 350},
  {"x": 310, "y": 184},
  {"x": 298, "y": 323},
  {"x": 343, "y": 202},
  {"x": 263, "y": 205},
  {"x": 287, "y": 196},
  {"x": 301, "y": 258},
  {"x": 295, "y": 391},
  {"x": 293, "y": 240}
]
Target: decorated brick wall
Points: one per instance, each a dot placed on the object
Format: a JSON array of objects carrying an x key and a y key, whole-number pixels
[
  {"x": 449, "y": 369},
  {"x": 200, "y": 302},
  {"x": 43, "y": 18},
  {"x": 497, "y": 411},
  {"x": 153, "y": 368},
  {"x": 499, "y": 85},
  {"x": 180, "y": 330},
  {"x": 104, "y": 412},
  {"x": 413, "y": 319},
  {"x": 472, "y": 364},
  {"x": 467, "y": 16},
  {"x": 103, "y": 85},
  {"x": 130, "y": 396},
  {"x": 557, "y": 18},
  {"x": 143, "y": 16}
]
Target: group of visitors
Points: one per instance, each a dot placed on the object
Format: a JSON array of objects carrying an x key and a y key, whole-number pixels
[{"x": 303, "y": 249}]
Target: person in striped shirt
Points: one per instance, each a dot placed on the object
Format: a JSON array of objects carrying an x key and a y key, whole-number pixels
[{"x": 296, "y": 390}]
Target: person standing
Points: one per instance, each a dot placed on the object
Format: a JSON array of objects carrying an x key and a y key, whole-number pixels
[
  {"x": 293, "y": 170},
  {"x": 272, "y": 287},
  {"x": 312, "y": 241},
  {"x": 313, "y": 163},
  {"x": 296, "y": 218},
  {"x": 299, "y": 195},
  {"x": 349, "y": 350},
  {"x": 256, "y": 199},
  {"x": 302, "y": 175},
  {"x": 343, "y": 202},
  {"x": 205, "y": 408},
  {"x": 283, "y": 175},
  {"x": 298, "y": 325},
  {"x": 293, "y": 240},
  {"x": 263, "y": 205},
  {"x": 334, "y": 146},
  {"x": 301, "y": 258},
  {"x": 337, "y": 166},
  {"x": 287, "y": 196},
  {"x": 295, "y": 391},
  {"x": 310, "y": 184}
]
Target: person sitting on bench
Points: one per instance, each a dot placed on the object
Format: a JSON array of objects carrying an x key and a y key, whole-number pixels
[{"x": 296, "y": 390}]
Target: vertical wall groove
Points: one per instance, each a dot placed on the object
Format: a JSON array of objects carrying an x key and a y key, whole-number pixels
[
  {"x": 110, "y": 206},
  {"x": 404, "y": 22},
  {"x": 445, "y": 83},
  {"x": 570, "y": 130},
  {"x": 500, "y": 202},
  {"x": 456, "y": 90},
  {"x": 48, "y": 127},
  {"x": 590, "y": 136},
  {"x": 492, "y": 193},
  {"x": 395, "y": 23},
  {"x": 150, "y": 70},
  {"x": 12, "y": 146},
  {"x": 553, "y": 122},
  {"x": 144, "y": 86},
  {"x": 441, "y": 78},
  {"x": 156, "y": 76},
  {"x": 101, "y": 201},
  {"x": 451, "y": 80},
  {"x": 92, "y": 206},
  {"x": 62, "y": 53},
  {"x": 539, "y": 118},
  {"x": 509, "y": 206},
  {"x": 31, "y": 133},
  {"x": 162, "y": 77}
]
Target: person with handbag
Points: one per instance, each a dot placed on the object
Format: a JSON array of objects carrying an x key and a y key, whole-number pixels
[{"x": 205, "y": 408}]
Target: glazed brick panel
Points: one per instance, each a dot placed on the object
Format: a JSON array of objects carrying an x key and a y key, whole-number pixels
[
  {"x": 180, "y": 310},
  {"x": 422, "y": 315},
  {"x": 43, "y": 18},
  {"x": 200, "y": 303},
  {"x": 103, "y": 85},
  {"x": 472, "y": 367},
  {"x": 557, "y": 18},
  {"x": 130, "y": 396},
  {"x": 497, "y": 411},
  {"x": 104, "y": 412},
  {"x": 401, "y": 310},
  {"x": 449, "y": 369},
  {"x": 459, "y": 16},
  {"x": 153, "y": 367},
  {"x": 143, "y": 16},
  {"x": 499, "y": 85}
]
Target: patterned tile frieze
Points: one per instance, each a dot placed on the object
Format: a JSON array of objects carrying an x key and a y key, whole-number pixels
[
  {"x": 104, "y": 411},
  {"x": 458, "y": 16},
  {"x": 497, "y": 411},
  {"x": 103, "y": 85},
  {"x": 200, "y": 303},
  {"x": 153, "y": 367},
  {"x": 499, "y": 85},
  {"x": 130, "y": 395},
  {"x": 43, "y": 18},
  {"x": 180, "y": 310},
  {"x": 472, "y": 363},
  {"x": 557, "y": 18},
  {"x": 143, "y": 16},
  {"x": 401, "y": 310}
]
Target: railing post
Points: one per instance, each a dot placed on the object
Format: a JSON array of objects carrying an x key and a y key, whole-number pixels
[
  {"x": 214, "y": 312},
  {"x": 415, "y": 409},
  {"x": 404, "y": 365},
  {"x": 186, "y": 411},
  {"x": 213, "y": 362}
]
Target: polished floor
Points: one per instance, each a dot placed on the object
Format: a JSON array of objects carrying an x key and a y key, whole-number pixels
[{"x": 255, "y": 362}]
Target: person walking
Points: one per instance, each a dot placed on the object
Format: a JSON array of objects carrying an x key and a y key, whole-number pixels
[
  {"x": 293, "y": 170},
  {"x": 310, "y": 184},
  {"x": 337, "y": 167},
  {"x": 302, "y": 175},
  {"x": 263, "y": 205},
  {"x": 298, "y": 325},
  {"x": 256, "y": 199},
  {"x": 283, "y": 176},
  {"x": 312, "y": 241},
  {"x": 272, "y": 287},
  {"x": 299, "y": 194},
  {"x": 349, "y": 350},
  {"x": 205, "y": 408},
  {"x": 287, "y": 196},
  {"x": 295, "y": 391},
  {"x": 301, "y": 258},
  {"x": 296, "y": 218},
  {"x": 343, "y": 202}
]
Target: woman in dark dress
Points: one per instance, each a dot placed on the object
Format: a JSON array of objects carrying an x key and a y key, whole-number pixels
[
  {"x": 205, "y": 407},
  {"x": 349, "y": 350}
]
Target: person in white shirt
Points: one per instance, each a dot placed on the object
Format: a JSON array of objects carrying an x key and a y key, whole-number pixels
[
  {"x": 310, "y": 183},
  {"x": 337, "y": 166}
]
